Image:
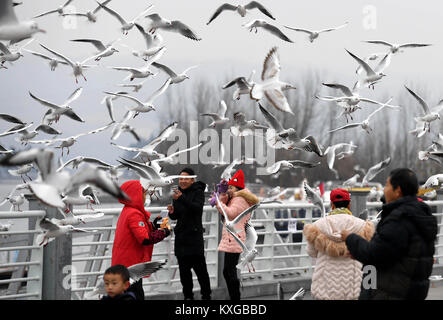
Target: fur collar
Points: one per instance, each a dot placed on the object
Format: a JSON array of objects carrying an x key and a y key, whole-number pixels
[{"x": 248, "y": 196}]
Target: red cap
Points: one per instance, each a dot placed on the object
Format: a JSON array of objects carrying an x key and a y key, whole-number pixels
[
  {"x": 238, "y": 179},
  {"x": 340, "y": 195}
]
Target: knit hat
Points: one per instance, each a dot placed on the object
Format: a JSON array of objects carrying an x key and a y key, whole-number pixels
[
  {"x": 238, "y": 179},
  {"x": 339, "y": 195}
]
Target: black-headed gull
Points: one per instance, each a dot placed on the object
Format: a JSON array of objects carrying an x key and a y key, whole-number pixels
[
  {"x": 230, "y": 224},
  {"x": 429, "y": 114},
  {"x": 347, "y": 151},
  {"x": 148, "y": 105},
  {"x": 63, "y": 109},
  {"x": 124, "y": 126},
  {"x": 171, "y": 158},
  {"x": 148, "y": 150},
  {"x": 313, "y": 34},
  {"x": 104, "y": 50},
  {"x": 81, "y": 196},
  {"x": 375, "y": 170},
  {"x": 16, "y": 129},
  {"x": 59, "y": 10},
  {"x": 144, "y": 71},
  {"x": 75, "y": 220},
  {"x": 373, "y": 76},
  {"x": 75, "y": 162},
  {"x": 279, "y": 165},
  {"x": 53, "y": 62},
  {"x": 153, "y": 43},
  {"x": 13, "y": 55},
  {"x": 308, "y": 143},
  {"x": 259, "y": 23},
  {"x": 51, "y": 230},
  {"x": 11, "y": 28},
  {"x": 69, "y": 141},
  {"x": 249, "y": 251},
  {"x": 243, "y": 127},
  {"x": 6, "y": 226},
  {"x": 175, "y": 78},
  {"x": 135, "y": 86},
  {"x": 78, "y": 67},
  {"x": 364, "y": 124},
  {"x": 241, "y": 10},
  {"x": 434, "y": 181},
  {"x": 352, "y": 181},
  {"x": 229, "y": 170},
  {"x": 126, "y": 25},
  {"x": 244, "y": 85},
  {"x": 218, "y": 118},
  {"x": 395, "y": 47},
  {"x": 90, "y": 15},
  {"x": 330, "y": 154},
  {"x": 157, "y": 22},
  {"x": 22, "y": 171},
  {"x": 25, "y": 136},
  {"x": 272, "y": 87}
]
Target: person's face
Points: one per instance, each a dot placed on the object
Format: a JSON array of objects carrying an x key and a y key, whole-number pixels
[
  {"x": 185, "y": 183},
  {"x": 114, "y": 284},
  {"x": 231, "y": 190},
  {"x": 391, "y": 194}
]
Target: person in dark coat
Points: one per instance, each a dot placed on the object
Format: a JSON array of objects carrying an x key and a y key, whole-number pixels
[
  {"x": 403, "y": 246},
  {"x": 189, "y": 245}
]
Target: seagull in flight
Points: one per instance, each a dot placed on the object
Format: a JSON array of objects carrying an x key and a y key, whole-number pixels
[
  {"x": 395, "y": 47},
  {"x": 77, "y": 66},
  {"x": 373, "y": 75},
  {"x": 314, "y": 34},
  {"x": 375, "y": 170},
  {"x": 289, "y": 164},
  {"x": 63, "y": 109},
  {"x": 124, "y": 126},
  {"x": 220, "y": 117},
  {"x": 244, "y": 85},
  {"x": 90, "y": 15},
  {"x": 243, "y": 127},
  {"x": 126, "y": 25},
  {"x": 272, "y": 87},
  {"x": 75, "y": 162},
  {"x": 240, "y": 9},
  {"x": 429, "y": 114},
  {"x": 59, "y": 10},
  {"x": 175, "y": 78},
  {"x": 259, "y": 23},
  {"x": 13, "y": 55},
  {"x": 11, "y": 28},
  {"x": 157, "y": 22},
  {"x": 104, "y": 50},
  {"x": 330, "y": 152},
  {"x": 249, "y": 251},
  {"x": 53, "y": 62},
  {"x": 315, "y": 198}
]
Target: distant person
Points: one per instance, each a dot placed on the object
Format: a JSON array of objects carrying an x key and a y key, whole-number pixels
[
  {"x": 336, "y": 275},
  {"x": 189, "y": 246},
  {"x": 403, "y": 246},
  {"x": 235, "y": 201},
  {"x": 135, "y": 235},
  {"x": 116, "y": 280}
]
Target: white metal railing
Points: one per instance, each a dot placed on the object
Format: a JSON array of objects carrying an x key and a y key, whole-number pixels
[{"x": 282, "y": 250}]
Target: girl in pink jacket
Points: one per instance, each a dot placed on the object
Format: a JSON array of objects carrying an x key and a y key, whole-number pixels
[{"x": 235, "y": 201}]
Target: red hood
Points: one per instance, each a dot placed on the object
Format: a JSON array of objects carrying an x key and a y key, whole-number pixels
[{"x": 134, "y": 190}]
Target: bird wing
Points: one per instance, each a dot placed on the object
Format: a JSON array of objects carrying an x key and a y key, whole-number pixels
[
  {"x": 347, "y": 126},
  {"x": 144, "y": 171},
  {"x": 10, "y": 118},
  {"x": 222, "y": 108},
  {"x": 149, "y": 39},
  {"x": 251, "y": 236},
  {"x": 379, "y": 42},
  {"x": 274, "y": 168},
  {"x": 420, "y": 100},
  {"x": 45, "y": 13},
  {"x": 165, "y": 69},
  {"x": 245, "y": 249},
  {"x": 92, "y": 131},
  {"x": 413, "y": 45},
  {"x": 44, "y": 102},
  {"x": 110, "y": 108},
  {"x": 375, "y": 170},
  {"x": 240, "y": 82},
  {"x": 96, "y": 43},
  {"x": 255, "y": 4},
  {"x": 127, "y": 148},
  {"x": 124, "y": 96},
  {"x": 143, "y": 13},
  {"x": 47, "y": 224},
  {"x": 158, "y": 92},
  {"x": 300, "y": 29},
  {"x": 276, "y": 31},
  {"x": 7, "y": 13},
  {"x": 41, "y": 55},
  {"x": 364, "y": 65},
  {"x": 47, "y": 129},
  {"x": 183, "y": 29},
  {"x": 225, "y": 6},
  {"x": 278, "y": 100},
  {"x": 178, "y": 152},
  {"x": 271, "y": 65},
  {"x": 334, "y": 28},
  {"x": 162, "y": 136},
  {"x": 303, "y": 164},
  {"x": 104, "y": 3},
  {"x": 384, "y": 63},
  {"x": 113, "y": 13},
  {"x": 341, "y": 87},
  {"x": 71, "y": 114},
  {"x": 4, "y": 49},
  {"x": 245, "y": 212},
  {"x": 271, "y": 119},
  {"x": 74, "y": 96},
  {"x": 69, "y": 61},
  {"x": 140, "y": 270}
]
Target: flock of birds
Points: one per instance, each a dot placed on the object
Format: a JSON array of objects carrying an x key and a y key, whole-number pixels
[{"x": 56, "y": 186}]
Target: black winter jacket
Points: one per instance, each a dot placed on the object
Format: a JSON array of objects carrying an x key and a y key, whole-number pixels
[
  {"x": 401, "y": 250},
  {"x": 188, "y": 211}
]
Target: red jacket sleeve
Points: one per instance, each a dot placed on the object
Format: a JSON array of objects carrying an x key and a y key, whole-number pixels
[{"x": 137, "y": 224}]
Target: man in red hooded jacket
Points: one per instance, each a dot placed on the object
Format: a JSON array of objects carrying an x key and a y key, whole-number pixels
[{"x": 135, "y": 235}]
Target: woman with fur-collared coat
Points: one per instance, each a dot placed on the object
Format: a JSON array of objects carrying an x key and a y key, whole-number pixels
[
  {"x": 235, "y": 201},
  {"x": 336, "y": 276}
]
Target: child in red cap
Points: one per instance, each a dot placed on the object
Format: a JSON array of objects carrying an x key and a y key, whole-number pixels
[{"x": 234, "y": 201}]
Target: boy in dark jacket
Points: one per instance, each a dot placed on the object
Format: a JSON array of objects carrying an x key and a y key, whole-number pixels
[
  {"x": 403, "y": 246},
  {"x": 116, "y": 280},
  {"x": 189, "y": 245}
]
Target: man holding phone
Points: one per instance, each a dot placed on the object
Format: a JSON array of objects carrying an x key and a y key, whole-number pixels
[{"x": 187, "y": 208}]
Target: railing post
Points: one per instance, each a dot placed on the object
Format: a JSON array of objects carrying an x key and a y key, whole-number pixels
[
  {"x": 439, "y": 250},
  {"x": 57, "y": 260},
  {"x": 358, "y": 201}
]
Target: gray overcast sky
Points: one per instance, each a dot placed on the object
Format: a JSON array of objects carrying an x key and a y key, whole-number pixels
[{"x": 227, "y": 48}]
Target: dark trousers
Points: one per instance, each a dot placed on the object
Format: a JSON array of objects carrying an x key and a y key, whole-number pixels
[
  {"x": 198, "y": 263},
  {"x": 137, "y": 288},
  {"x": 230, "y": 274}
]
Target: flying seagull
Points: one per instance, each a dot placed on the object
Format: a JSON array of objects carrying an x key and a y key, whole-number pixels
[{"x": 241, "y": 10}]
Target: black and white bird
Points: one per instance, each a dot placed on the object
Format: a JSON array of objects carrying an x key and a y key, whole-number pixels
[
  {"x": 291, "y": 164},
  {"x": 218, "y": 118},
  {"x": 259, "y": 23},
  {"x": 104, "y": 50},
  {"x": 375, "y": 170},
  {"x": 91, "y": 15},
  {"x": 242, "y": 10},
  {"x": 175, "y": 78},
  {"x": 59, "y": 10},
  {"x": 243, "y": 85},
  {"x": 53, "y": 62},
  {"x": 249, "y": 251},
  {"x": 397, "y": 48},
  {"x": 314, "y": 197},
  {"x": 11, "y": 28},
  {"x": 9, "y": 54},
  {"x": 157, "y": 22},
  {"x": 313, "y": 34},
  {"x": 243, "y": 127}
]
